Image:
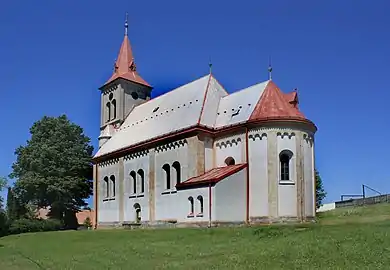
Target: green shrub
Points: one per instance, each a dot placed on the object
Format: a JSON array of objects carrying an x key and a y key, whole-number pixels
[
  {"x": 87, "y": 223},
  {"x": 34, "y": 225}
]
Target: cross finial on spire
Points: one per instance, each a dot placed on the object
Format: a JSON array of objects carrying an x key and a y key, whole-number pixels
[
  {"x": 126, "y": 23},
  {"x": 269, "y": 69},
  {"x": 210, "y": 65}
]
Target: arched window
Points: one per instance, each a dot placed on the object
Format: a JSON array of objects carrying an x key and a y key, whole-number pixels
[
  {"x": 113, "y": 185},
  {"x": 108, "y": 108},
  {"x": 113, "y": 103},
  {"x": 230, "y": 161},
  {"x": 285, "y": 165},
  {"x": 200, "y": 199},
  {"x": 167, "y": 170},
  {"x": 141, "y": 175},
  {"x": 191, "y": 201},
  {"x": 133, "y": 181},
  {"x": 137, "y": 209},
  {"x": 176, "y": 166},
  {"x": 106, "y": 187}
]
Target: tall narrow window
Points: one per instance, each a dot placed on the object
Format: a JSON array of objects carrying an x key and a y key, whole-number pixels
[
  {"x": 108, "y": 108},
  {"x": 285, "y": 159},
  {"x": 133, "y": 181},
  {"x": 113, "y": 103},
  {"x": 106, "y": 187},
  {"x": 176, "y": 166},
  {"x": 113, "y": 185},
  {"x": 167, "y": 170},
  {"x": 141, "y": 175},
  {"x": 191, "y": 201},
  {"x": 200, "y": 200}
]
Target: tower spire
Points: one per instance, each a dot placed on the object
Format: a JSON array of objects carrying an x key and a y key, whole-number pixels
[
  {"x": 126, "y": 23},
  {"x": 269, "y": 69}
]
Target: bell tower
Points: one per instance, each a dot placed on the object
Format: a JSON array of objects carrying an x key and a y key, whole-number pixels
[{"x": 122, "y": 92}]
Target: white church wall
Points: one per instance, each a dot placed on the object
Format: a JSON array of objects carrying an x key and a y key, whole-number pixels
[
  {"x": 230, "y": 146},
  {"x": 208, "y": 154},
  {"x": 136, "y": 162},
  {"x": 229, "y": 198},
  {"x": 166, "y": 199},
  {"x": 309, "y": 175},
  {"x": 287, "y": 191},
  {"x": 108, "y": 206},
  {"x": 258, "y": 173},
  {"x": 183, "y": 205}
]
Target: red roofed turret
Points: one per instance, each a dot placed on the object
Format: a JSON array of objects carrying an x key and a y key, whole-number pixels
[{"x": 274, "y": 104}]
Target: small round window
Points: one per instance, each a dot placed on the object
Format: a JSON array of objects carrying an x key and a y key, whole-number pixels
[{"x": 134, "y": 95}]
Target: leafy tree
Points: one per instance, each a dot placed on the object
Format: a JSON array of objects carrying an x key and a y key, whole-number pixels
[
  {"x": 54, "y": 169},
  {"x": 11, "y": 212},
  {"x": 3, "y": 184},
  {"x": 320, "y": 191},
  {"x": 15, "y": 208},
  {"x": 4, "y": 224}
]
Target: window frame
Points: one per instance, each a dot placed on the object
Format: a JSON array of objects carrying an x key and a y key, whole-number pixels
[
  {"x": 177, "y": 167},
  {"x": 201, "y": 204},
  {"x": 167, "y": 169},
  {"x": 141, "y": 175},
  {"x": 113, "y": 189},
  {"x": 133, "y": 184},
  {"x": 191, "y": 214},
  {"x": 286, "y": 153}
]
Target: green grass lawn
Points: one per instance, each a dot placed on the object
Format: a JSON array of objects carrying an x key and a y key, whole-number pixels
[{"x": 350, "y": 238}]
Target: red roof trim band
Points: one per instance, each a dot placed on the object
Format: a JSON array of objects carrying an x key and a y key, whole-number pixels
[
  {"x": 213, "y": 176},
  {"x": 200, "y": 128}
]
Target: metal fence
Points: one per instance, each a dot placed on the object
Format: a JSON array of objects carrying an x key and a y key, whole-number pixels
[{"x": 362, "y": 201}]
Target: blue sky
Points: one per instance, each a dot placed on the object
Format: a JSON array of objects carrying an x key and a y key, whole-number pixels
[{"x": 55, "y": 54}]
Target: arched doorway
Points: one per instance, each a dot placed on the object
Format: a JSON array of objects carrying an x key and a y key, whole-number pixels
[{"x": 137, "y": 209}]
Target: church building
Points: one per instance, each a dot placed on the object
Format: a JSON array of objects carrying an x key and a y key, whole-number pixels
[{"x": 199, "y": 156}]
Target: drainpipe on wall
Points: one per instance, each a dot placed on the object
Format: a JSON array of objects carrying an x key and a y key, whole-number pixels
[
  {"x": 210, "y": 205},
  {"x": 96, "y": 195},
  {"x": 247, "y": 175}
]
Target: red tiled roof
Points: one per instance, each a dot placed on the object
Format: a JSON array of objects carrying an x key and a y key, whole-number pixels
[
  {"x": 81, "y": 216},
  {"x": 276, "y": 105},
  {"x": 214, "y": 175},
  {"x": 125, "y": 66}
]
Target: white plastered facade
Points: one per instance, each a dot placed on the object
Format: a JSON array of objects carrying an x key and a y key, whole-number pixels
[{"x": 253, "y": 194}]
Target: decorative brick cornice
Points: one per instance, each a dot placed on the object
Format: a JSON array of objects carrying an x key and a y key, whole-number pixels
[
  {"x": 258, "y": 135},
  {"x": 109, "y": 162},
  {"x": 136, "y": 155},
  {"x": 308, "y": 138},
  {"x": 171, "y": 145},
  {"x": 228, "y": 141},
  {"x": 286, "y": 134},
  {"x": 110, "y": 89}
]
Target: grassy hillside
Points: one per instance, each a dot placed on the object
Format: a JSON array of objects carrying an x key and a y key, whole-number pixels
[{"x": 350, "y": 238}]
